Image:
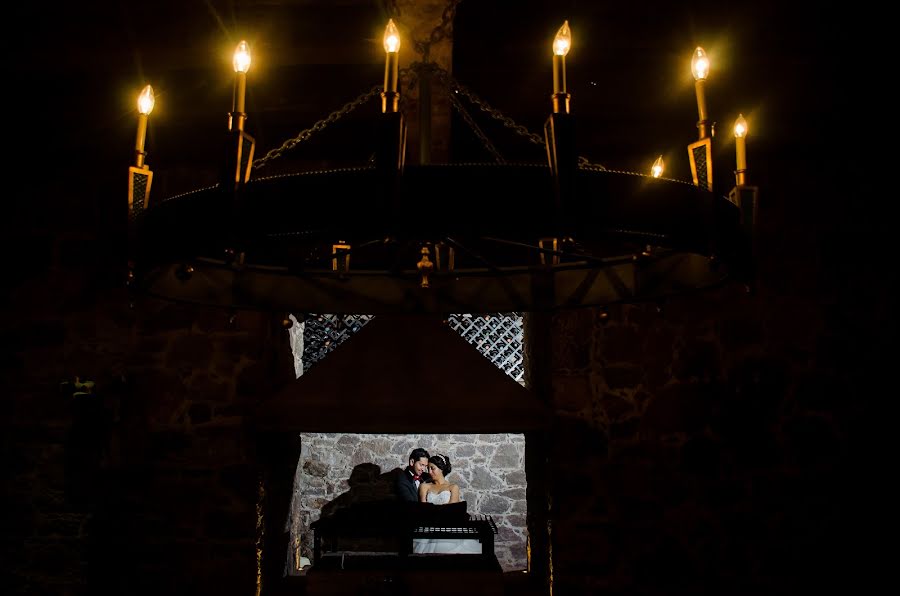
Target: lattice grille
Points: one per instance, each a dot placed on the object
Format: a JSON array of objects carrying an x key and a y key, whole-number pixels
[
  {"x": 702, "y": 172},
  {"x": 140, "y": 193},
  {"x": 323, "y": 333},
  {"x": 498, "y": 337}
]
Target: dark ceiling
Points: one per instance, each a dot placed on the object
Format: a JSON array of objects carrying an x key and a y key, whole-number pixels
[{"x": 627, "y": 70}]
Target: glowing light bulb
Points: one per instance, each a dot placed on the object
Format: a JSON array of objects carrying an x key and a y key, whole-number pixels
[
  {"x": 700, "y": 64},
  {"x": 391, "y": 38},
  {"x": 740, "y": 127},
  {"x": 563, "y": 40},
  {"x": 146, "y": 101},
  {"x": 241, "y": 59},
  {"x": 740, "y": 148},
  {"x": 658, "y": 167}
]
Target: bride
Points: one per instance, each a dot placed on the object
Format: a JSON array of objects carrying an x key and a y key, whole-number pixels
[{"x": 441, "y": 492}]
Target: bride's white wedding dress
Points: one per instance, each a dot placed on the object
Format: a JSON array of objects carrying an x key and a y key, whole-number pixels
[{"x": 445, "y": 546}]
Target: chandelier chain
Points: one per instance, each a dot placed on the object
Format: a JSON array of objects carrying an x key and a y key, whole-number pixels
[
  {"x": 443, "y": 30},
  {"x": 305, "y": 135},
  {"x": 488, "y": 145},
  {"x": 456, "y": 86},
  {"x": 411, "y": 75}
]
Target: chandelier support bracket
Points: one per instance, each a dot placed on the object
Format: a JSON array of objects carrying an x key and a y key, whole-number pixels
[
  {"x": 390, "y": 161},
  {"x": 700, "y": 155},
  {"x": 239, "y": 149},
  {"x": 444, "y": 257},
  {"x": 340, "y": 259},
  {"x": 140, "y": 178},
  {"x": 745, "y": 198},
  {"x": 559, "y": 133},
  {"x": 549, "y": 251}
]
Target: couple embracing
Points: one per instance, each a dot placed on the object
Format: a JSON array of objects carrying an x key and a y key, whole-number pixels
[{"x": 425, "y": 479}]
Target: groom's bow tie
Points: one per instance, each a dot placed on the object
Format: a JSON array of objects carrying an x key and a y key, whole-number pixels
[{"x": 416, "y": 476}]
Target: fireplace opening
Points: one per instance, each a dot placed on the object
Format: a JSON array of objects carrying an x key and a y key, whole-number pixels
[{"x": 338, "y": 470}]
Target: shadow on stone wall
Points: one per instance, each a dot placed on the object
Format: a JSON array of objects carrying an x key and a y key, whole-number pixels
[{"x": 367, "y": 484}]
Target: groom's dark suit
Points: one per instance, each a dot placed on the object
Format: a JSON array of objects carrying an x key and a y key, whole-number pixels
[{"x": 405, "y": 486}]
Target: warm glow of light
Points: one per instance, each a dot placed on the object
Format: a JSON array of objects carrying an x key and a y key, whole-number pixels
[
  {"x": 563, "y": 40},
  {"x": 391, "y": 38},
  {"x": 740, "y": 127},
  {"x": 658, "y": 167},
  {"x": 146, "y": 100},
  {"x": 700, "y": 64},
  {"x": 241, "y": 59}
]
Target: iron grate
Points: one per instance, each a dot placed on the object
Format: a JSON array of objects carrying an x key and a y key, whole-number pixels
[
  {"x": 323, "y": 333},
  {"x": 497, "y": 336}
]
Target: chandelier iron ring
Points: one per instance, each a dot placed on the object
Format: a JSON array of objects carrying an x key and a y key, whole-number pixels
[{"x": 446, "y": 238}]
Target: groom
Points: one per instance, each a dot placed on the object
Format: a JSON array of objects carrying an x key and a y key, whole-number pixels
[{"x": 408, "y": 481}]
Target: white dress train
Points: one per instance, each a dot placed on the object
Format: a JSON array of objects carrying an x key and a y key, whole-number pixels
[{"x": 445, "y": 546}]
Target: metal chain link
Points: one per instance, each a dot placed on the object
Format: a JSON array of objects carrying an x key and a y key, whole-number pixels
[
  {"x": 454, "y": 101},
  {"x": 444, "y": 29},
  {"x": 411, "y": 82},
  {"x": 493, "y": 112},
  {"x": 456, "y": 86},
  {"x": 305, "y": 135}
]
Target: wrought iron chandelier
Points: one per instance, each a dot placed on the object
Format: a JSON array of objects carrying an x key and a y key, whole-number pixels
[{"x": 563, "y": 233}]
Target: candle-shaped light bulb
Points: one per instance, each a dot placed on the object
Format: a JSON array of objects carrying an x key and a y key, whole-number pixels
[
  {"x": 740, "y": 148},
  {"x": 390, "y": 99},
  {"x": 391, "y": 38},
  {"x": 241, "y": 63},
  {"x": 146, "y": 101},
  {"x": 241, "y": 60},
  {"x": 562, "y": 43},
  {"x": 658, "y": 167},
  {"x": 700, "y": 70},
  {"x": 700, "y": 64},
  {"x": 740, "y": 127},
  {"x": 563, "y": 40},
  {"x": 145, "y": 104}
]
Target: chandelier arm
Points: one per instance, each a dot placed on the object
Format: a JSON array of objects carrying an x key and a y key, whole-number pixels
[
  {"x": 514, "y": 295},
  {"x": 562, "y": 253},
  {"x": 476, "y": 129},
  {"x": 473, "y": 254},
  {"x": 346, "y": 251}
]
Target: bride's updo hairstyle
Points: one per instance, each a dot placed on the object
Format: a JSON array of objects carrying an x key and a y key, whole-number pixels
[{"x": 442, "y": 462}]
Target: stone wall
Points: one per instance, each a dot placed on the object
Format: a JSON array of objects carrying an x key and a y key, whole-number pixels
[
  {"x": 489, "y": 470},
  {"x": 715, "y": 434},
  {"x": 147, "y": 485}
]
